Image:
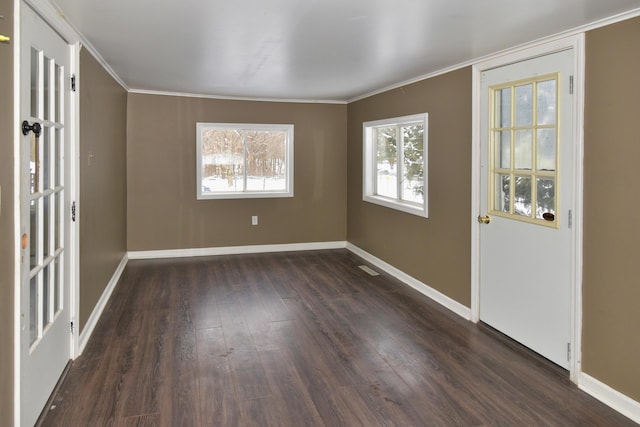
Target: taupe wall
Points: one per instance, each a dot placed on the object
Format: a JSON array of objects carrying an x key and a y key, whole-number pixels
[
  {"x": 163, "y": 212},
  {"x": 435, "y": 250},
  {"x": 611, "y": 287},
  {"x": 7, "y": 238},
  {"x": 103, "y": 180}
]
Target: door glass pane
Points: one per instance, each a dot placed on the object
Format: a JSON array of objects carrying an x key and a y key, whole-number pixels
[
  {"x": 58, "y": 158},
  {"x": 546, "y": 102},
  {"x": 546, "y": 196},
  {"x": 46, "y": 158},
  {"x": 57, "y": 220},
  {"x": 34, "y": 163},
  {"x": 503, "y": 108},
  {"x": 46, "y": 222},
  {"x": 413, "y": 155},
  {"x": 57, "y": 281},
  {"x": 502, "y": 192},
  {"x": 524, "y": 105},
  {"x": 46, "y": 295},
  {"x": 58, "y": 89},
  {"x": 523, "y": 149},
  {"x": 47, "y": 88},
  {"x": 33, "y": 230},
  {"x": 503, "y": 149},
  {"x": 387, "y": 168},
  {"x": 546, "y": 150},
  {"x": 522, "y": 196},
  {"x": 35, "y": 98},
  {"x": 33, "y": 309}
]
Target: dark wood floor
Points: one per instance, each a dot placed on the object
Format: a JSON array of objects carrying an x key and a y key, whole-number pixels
[{"x": 302, "y": 339}]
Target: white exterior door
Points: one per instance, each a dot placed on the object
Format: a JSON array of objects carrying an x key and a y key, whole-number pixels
[
  {"x": 526, "y": 202},
  {"x": 45, "y": 336}
]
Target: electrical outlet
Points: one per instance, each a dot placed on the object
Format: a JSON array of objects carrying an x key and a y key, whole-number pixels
[{"x": 254, "y": 220}]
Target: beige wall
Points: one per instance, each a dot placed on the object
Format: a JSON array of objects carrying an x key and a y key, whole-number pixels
[
  {"x": 434, "y": 250},
  {"x": 163, "y": 212},
  {"x": 611, "y": 288},
  {"x": 7, "y": 238},
  {"x": 103, "y": 180}
]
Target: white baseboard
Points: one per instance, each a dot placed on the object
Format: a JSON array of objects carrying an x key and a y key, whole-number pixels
[
  {"x": 423, "y": 288},
  {"x": 610, "y": 397},
  {"x": 99, "y": 308},
  {"x": 233, "y": 250}
]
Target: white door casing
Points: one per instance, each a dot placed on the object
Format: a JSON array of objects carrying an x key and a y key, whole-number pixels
[
  {"x": 517, "y": 306},
  {"x": 47, "y": 174}
]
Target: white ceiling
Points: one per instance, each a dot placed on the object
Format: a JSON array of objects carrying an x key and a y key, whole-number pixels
[{"x": 310, "y": 49}]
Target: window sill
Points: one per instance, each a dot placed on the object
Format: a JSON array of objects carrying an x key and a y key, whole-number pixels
[{"x": 418, "y": 210}]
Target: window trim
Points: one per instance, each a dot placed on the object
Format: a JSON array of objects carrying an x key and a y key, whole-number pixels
[
  {"x": 369, "y": 167},
  {"x": 289, "y": 161}
]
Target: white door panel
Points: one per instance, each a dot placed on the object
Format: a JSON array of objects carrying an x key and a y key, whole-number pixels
[
  {"x": 526, "y": 174},
  {"x": 45, "y": 337}
]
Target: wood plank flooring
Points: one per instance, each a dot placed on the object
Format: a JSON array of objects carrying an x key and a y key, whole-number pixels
[{"x": 302, "y": 339}]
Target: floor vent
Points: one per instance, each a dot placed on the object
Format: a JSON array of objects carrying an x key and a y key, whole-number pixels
[{"x": 368, "y": 270}]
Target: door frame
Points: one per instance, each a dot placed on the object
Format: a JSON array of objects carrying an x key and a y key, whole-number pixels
[
  {"x": 53, "y": 18},
  {"x": 522, "y": 53}
]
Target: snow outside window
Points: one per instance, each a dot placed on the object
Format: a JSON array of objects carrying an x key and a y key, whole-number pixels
[
  {"x": 244, "y": 160},
  {"x": 395, "y": 163}
]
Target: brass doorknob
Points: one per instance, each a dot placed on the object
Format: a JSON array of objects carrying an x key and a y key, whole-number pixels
[{"x": 484, "y": 219}]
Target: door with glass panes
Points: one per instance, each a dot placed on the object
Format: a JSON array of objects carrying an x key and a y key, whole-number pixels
[
  {"x": 44, "y": 203},
  {"x": 526, "y": 202}
]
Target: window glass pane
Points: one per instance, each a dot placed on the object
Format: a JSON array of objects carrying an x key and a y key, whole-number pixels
[
  {"x": 386, "y": 160},
  {"x": 546, "y": 196},
  {"x": 502, "y": 192},
  {"x": 35, "y": 89},
  {"x": 502, "y": 108},
  {"x": 266, "y": 169},
  {"x": 413, "y": 155},
  {"x": 524, "y": 105},
  {"x": 33, "y": 309},
  {"x": 547, "y": 102},
  {"x": 523, "y": 149},
  {"x": 222, "y": 160},
  {"x": 522, "y": 196},
  {"x": 503, "y": 149},
  {"x": 546, "y": 155}
]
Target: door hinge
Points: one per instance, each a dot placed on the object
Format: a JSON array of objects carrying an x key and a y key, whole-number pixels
[
  {"x": 72, "y": 327},
  {"x": 570, "y": 218},
  {"x": 73, "y": 211},
  {"x": 73, "y": 82},
  {"x": 570, "y": 85},
  {"x": 568, "y": 352}
]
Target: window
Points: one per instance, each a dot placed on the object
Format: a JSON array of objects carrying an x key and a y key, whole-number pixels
[
  {"x": 524, "y": 158},
  {"x": 395, "y": 163},
  {"x": 244, "y": 160}
]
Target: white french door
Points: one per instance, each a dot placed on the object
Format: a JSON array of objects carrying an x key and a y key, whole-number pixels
[
  {"x": 526, "y": 202},
  {"x": 45, "y": 312}
]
